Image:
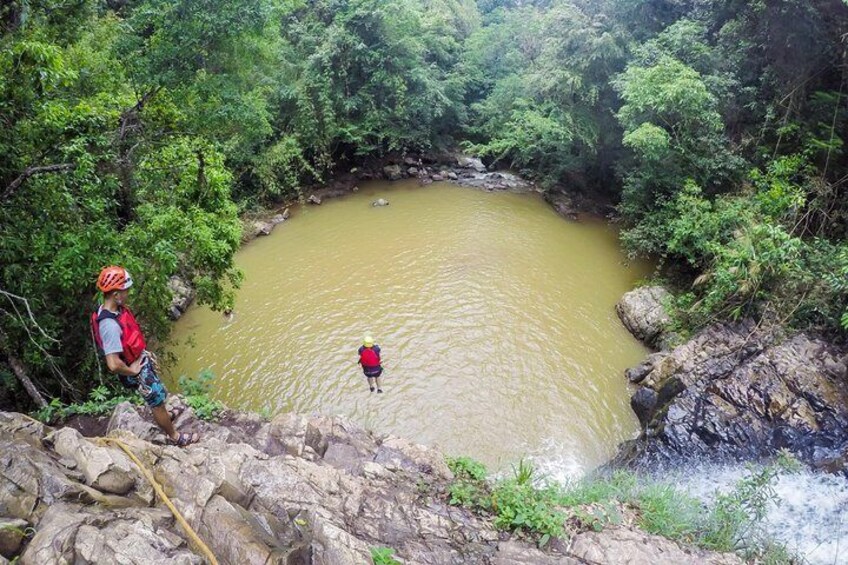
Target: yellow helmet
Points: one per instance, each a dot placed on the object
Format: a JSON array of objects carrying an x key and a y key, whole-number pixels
[{"x": 368, "y": 341}]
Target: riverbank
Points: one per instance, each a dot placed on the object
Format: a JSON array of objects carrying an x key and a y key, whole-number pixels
[{"x": 294, "y": 490}]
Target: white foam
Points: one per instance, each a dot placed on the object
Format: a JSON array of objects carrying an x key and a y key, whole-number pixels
[{"x": 810, "y": 516}]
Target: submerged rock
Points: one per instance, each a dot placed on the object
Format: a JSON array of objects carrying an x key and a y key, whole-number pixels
[
  {"x": 380, "y": 202},
  {"x": 731, "y": 392}
]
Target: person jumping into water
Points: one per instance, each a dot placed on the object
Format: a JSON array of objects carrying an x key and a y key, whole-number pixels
[
  {"x": 369, "y": 358},
  {"x": 119, "y": 339}
]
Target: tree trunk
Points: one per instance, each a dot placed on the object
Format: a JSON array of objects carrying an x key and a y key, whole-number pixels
[{"x": 20, "y": 372}]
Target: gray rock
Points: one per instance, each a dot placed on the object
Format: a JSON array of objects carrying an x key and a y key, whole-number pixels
[
  {"x": 437, "y": 178},
  {"x": 471, "y": 163},
  {"x": 126, "y": 417},
  {"x": 70, "y": 533},
  {"x": 182, "y": 295},
  {"x": 563, "y": 204},
  {"x": 105, "y": 469},
  {"x": 733, "y": 393},
  {"x": 314, "y": 199},
  {"x": 452, "y": 175},
  {"x": 621, "y": 546},
  {"x": 12, "y": 533},
  {"x": 642, "y": 311},
  {"x": 412, "y": 171},
  {"x": 392, "y": 172},
  {"x": 380, "y": 202},
  {"x": 297, "y": 489}
]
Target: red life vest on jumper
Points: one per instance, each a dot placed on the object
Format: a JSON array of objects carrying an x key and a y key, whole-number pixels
[
  {"x": 132, "y": 340},
  {"x": 369, "y": 358}
]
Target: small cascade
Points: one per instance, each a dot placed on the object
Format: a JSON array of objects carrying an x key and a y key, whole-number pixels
[{"x": 809, "y": 516}]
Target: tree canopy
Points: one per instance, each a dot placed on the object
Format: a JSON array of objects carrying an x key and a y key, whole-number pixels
[{"x": 137, "y": 131}]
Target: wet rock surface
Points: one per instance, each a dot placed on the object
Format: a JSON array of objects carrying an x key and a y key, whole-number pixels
[
  {"x": 733, "y": 392},
  {"x": 295, "y": 490}
]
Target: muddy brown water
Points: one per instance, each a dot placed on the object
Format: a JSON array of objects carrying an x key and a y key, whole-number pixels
[{"x": 495, "y": 316}]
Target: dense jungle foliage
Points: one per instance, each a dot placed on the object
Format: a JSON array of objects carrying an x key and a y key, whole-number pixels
[{"x": 136, "y": 131}]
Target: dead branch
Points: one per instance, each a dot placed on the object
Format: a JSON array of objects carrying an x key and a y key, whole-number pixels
[{"x": 32, "y": 171}]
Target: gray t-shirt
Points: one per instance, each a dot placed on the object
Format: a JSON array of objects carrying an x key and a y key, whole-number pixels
[{"x": 110, "y": 334}]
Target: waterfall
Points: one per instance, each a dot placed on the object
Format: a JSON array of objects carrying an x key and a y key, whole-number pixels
[{"x": 809, "y": 514}]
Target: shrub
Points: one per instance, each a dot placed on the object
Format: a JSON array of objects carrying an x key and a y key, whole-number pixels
[
  {"x": 101, "y": 400},
  {"x": 196, "y": 392},
  {"x": 466, "y": 467},
  {"x": 383, "y": 556}
]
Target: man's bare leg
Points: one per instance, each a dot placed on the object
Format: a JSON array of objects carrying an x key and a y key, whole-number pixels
[
  {"x": 163, "y": 420},
  {"x": 371, "y": 383},
  {"x": 379, "y": 385}
]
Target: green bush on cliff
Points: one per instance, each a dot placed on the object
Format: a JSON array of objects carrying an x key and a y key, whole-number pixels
[
  {"x": 517, "y": 503},
  {"x": 383, "y": 556},
  {"x": 101, "y": 401},
  {"x": 196, "y": 392}
]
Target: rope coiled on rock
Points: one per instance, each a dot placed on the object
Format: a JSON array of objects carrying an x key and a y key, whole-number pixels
[{"x": 198, "y": 543}]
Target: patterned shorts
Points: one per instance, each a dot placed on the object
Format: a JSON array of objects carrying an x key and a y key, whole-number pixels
[{"x": 148, "y": 385}]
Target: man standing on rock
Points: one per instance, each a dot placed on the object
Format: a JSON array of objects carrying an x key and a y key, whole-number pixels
[
  {"x": 369, "y": 358},
  {"x": 119, "y": 338}
]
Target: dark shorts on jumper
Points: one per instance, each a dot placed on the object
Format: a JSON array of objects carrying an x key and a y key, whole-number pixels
[
  {"x": 372, "y": 372},
  {"x": 148, "y": 385}
]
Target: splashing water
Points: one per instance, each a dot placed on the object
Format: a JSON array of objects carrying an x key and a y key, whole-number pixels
[{"x": 810, "y": 516}]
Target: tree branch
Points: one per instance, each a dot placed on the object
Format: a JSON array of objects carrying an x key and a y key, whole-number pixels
[
  {"x": 20, "y": 372},
  {"x": 31, "y": 171}
]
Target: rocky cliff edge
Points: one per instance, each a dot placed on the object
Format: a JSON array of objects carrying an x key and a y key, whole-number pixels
[{"x": 296, "y": 490}]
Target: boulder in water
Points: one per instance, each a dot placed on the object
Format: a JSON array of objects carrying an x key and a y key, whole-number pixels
[
  {"x": 642, "y": 311},
  {"x": 182, "y": 295},
  {"x": 471, "y": 163},
  {"x": 380, "y": 202},
  {"x": 314, "y": 199},
  {"x": 392, "y": 172}
]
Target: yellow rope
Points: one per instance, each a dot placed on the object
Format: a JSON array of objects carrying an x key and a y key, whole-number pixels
[{"x": 161, "y": 493}]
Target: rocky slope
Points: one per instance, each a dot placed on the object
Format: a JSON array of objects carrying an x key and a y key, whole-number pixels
[
  {"x": 297, "y": 490},
  {"x": 736, "y": 392}
]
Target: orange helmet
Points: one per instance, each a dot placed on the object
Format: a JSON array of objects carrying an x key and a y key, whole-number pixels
[{"x": 114, "y": 278}]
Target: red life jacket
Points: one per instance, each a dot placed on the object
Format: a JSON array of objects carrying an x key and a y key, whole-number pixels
[
  {"x": 369, "y": 358},
  {"x": 132, "y": 340}
]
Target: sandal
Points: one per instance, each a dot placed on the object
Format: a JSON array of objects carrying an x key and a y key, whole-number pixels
[
  {"x": 176, "y": 411},
  {"x": 185, "y": 439}
]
